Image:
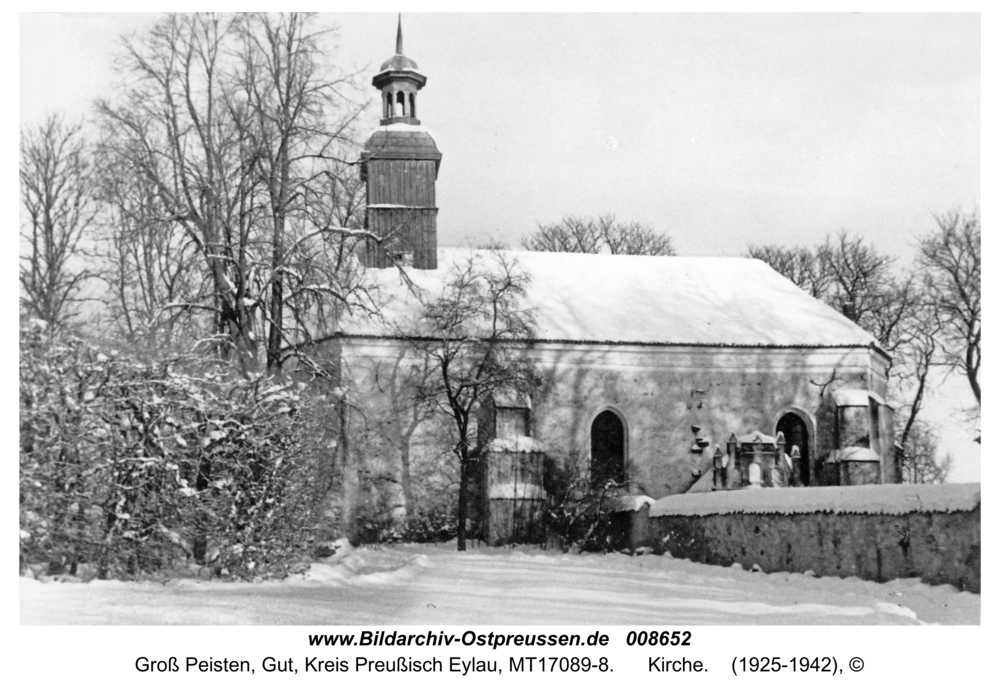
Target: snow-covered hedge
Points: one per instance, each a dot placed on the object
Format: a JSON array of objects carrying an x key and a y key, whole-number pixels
[
  {"x": 885, "y": 499},
  {"x": 132, "y": 467}
]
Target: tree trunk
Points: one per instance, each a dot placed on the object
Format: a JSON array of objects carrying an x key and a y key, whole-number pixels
[
  {"x": 463, "y": 498},
  {"x": 277, "y": 295},
  {"x": 406, "y": 478}
]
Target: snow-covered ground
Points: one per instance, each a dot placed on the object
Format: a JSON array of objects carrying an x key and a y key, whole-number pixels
[{"x": 433, "y": 584}]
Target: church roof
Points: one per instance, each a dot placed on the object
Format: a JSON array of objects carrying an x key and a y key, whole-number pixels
[{"x": 648, "y": 300}]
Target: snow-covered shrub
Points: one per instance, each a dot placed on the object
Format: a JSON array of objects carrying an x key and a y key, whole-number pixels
[
  {"x": 135, "y": 467},
  {"x": 376, "y": 519},
  {"x": 579, "y": 515},
  {"x": 433, "y": 523}
]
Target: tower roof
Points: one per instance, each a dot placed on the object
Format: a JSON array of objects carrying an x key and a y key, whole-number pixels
[
  {"x": 398, "y": 62},
  {"x": 401, "y": 141}
]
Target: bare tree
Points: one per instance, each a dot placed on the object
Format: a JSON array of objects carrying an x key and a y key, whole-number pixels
[
  {"x": 289, "y": 101},
  {"x": 57, "y": 195},
  {"x": 915, "y": 358},
  {"x": 920, "y": 462},
  {"x": 853, "y": 277},
  {"x": 242, "y": 138},
  {"x": 801, "y": 265},
  {"x": 150, "y": 265},
  {"x": 475, "y": 337},
  {"x": 951, "y": 257},
  {"x": 862, "y": 286},
  {"x": 598, "y": 235},
  {"x": 170, "y": 127}
]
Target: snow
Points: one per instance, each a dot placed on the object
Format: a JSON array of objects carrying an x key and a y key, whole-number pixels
[
  {"x": 432, "y": 584},
  {"x": 634, "y": 503},
  {"x": 403, "y": 127},
  {"x": 412, "y": 69},
  {"x": 855, "y": 453},
  {"x": 670, "y": 300},
  {"x": 885, "y": 499},
  {"x": 756, "y": 436},
  {"x": 518, "y": 491},
  {"x": 855, "y": 398},
  {"x": 518, "y": 444}
]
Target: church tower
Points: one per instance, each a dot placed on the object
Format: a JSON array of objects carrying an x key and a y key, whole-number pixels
[{"x": 399, "y": 165}]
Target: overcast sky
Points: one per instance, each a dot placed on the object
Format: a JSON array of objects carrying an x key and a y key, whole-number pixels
[{"x": 719, "y": 129}]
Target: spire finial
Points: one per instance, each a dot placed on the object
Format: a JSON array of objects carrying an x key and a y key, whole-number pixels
[{"x": 399, "y": 35}]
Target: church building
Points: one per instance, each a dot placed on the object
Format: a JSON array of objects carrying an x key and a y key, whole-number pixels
[{"x": 661, "y": 374}]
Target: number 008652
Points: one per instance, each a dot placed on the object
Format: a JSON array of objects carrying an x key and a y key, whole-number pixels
[{"x": 664, "y": 638}]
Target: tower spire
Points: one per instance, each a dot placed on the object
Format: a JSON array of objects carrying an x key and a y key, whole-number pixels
[
  {"x": 399, "y": 166},
  {"x": 399, "y": 79}
]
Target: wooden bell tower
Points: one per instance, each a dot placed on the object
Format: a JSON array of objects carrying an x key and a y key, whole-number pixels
[{"x": 400, "y": 164}]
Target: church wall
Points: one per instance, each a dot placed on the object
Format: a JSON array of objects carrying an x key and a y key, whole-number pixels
[
  {"x": 398, "y": 455},
  {"x": 658, "y": 391},
  {"x": 661, "y": 392}
]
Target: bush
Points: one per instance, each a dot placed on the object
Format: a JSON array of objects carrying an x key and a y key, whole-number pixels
[
  {"x": 580, "y": 515},
  {"x": 380, "y": 521},
  {"x": 432, "y": 524},
  {"x": 133, "y": 468}
]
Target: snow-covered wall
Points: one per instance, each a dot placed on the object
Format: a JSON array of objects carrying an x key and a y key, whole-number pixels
[
  {"x": 873, "y": 532},
  {"x": 885, "y": 499}
]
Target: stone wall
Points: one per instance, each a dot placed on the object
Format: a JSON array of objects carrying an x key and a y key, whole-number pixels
[{"x": 937, "y": 545}]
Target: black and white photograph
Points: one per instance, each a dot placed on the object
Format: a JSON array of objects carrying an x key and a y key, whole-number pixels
[{"x": 446, "y": 322}]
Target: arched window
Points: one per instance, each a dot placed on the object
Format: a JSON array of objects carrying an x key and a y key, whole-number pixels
[
  {"x": 387, "y": 105},
  {"x": 796, "y": 434},
  {"x": 607, "y": 450},
  {"x": 400, "y": 104}
]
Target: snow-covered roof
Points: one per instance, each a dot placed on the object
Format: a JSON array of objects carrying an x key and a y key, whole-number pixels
[
  {"x": 858, "y": 454},
  {"x": 855, "y": 398},
  {"x": 886, "y": 499},
  {"x": 602, "y": 298},
  {"x": 633, "y": 503},
  {"x": 756, "y": 436},
  {"x": 401, "y": 140}
]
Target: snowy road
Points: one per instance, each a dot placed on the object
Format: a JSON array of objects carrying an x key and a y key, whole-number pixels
[{"x": 434, "y": 585}]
